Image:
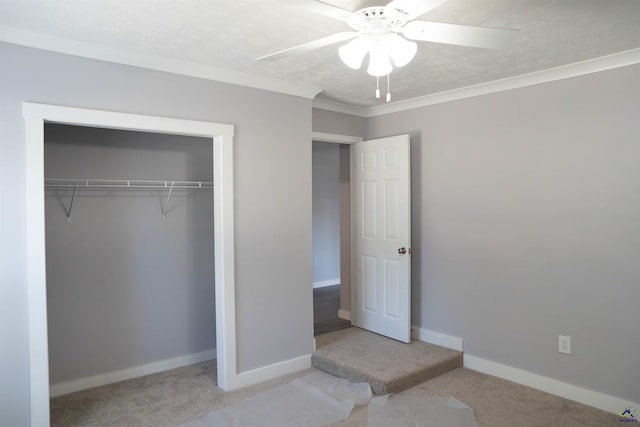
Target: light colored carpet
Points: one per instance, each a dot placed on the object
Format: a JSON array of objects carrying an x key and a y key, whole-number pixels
[
  {"x": 166, "y": 399},
  {"x": 174, "y": 397},
  {"x": 388, "y": 366}
]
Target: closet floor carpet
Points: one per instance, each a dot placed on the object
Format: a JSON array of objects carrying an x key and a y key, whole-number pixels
[{"x": 177, "y": 396}]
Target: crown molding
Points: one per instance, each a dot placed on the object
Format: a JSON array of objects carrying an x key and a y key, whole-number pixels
[
  {"x": 338, "y": 107},
  {"x": 608, "y": 62},
  {"x": 604, "y": 63},
  {"x": 152, "y": 62}
]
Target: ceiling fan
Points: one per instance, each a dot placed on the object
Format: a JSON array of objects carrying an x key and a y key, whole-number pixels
[{"x": 384, "y": 32}]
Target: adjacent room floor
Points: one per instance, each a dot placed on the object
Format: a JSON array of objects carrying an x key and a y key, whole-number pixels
[{"x": 326, "y": 303}]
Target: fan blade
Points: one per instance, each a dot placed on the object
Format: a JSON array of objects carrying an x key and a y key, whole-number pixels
[
  {"x": 463, "y": 35},
  {"x": 414, "y": 8},
  {"x": 306, "y": 47},
  {"x": 326, "y": 9}
]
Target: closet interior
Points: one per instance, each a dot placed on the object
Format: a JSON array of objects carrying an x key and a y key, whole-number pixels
[{"x": 129, "y": 253}]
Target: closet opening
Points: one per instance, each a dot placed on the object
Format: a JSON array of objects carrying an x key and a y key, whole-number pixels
[
  {"x": 129, "y": 226},
  {"x": 220, "y": 137}
]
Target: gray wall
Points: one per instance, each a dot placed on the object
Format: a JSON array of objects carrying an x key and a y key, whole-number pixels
[
  {"x": 326, "y": 211},
  {"x": 272, "y": 197},
  {"x": 124, "y": 287},
  {"x": 525, "y": 225},
  {"x": 338, "y": 123}
]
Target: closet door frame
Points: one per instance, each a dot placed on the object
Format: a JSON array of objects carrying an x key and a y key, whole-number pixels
[{"x": 36, "y": 115}]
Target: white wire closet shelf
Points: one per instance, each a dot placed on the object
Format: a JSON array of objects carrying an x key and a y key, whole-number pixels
[
  {"x": 111, "y": 184},
  {"x": 125, "y": 183}
]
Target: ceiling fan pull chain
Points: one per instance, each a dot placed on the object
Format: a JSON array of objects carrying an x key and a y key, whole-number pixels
[
  {"x": 388, "y": 90},
  {"x": 377, "y": 87}
]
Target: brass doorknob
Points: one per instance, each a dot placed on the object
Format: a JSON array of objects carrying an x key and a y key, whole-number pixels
[{"x": 402, "y": 251}]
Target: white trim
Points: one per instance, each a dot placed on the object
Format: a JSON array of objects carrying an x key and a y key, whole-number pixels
[
  {"x": 36, "y": 273},
  {"x": 558, "y": 388},
  {"x": 333, "y": 137},
  {"x": 222, "y": 139},
  {"x": 436, "y": 338},
  {"x": 152, "y": 62},
  {"x": 339, "y": 107},
  {"x": 272, "y": 371},
  {"x": 325, "y": 283},
  {"x": 595, "y": 65},
  {"x": 128, "y": 373},
  {"x": 344, "y": 314}
]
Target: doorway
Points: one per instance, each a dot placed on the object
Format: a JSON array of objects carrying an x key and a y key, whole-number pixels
[
  {"x": 331, "y": 232},
  {"x": 221, "y": 136},
  {"x": 380, "y": 221}
]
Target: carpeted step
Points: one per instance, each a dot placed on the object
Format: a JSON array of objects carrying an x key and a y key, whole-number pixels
[{"x": 387, "y": 365}]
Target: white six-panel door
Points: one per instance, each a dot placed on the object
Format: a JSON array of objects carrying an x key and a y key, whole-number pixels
[{"x": 381, "y": 202}]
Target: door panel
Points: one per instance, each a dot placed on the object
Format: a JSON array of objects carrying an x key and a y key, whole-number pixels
[
  {"x": 391, "y": 209},
  {"x": 369, "y": 267},
  {"x": 391, "y": 288},
  {"x": 369, "y": 211},
  {"x": 382, "y": 214}
]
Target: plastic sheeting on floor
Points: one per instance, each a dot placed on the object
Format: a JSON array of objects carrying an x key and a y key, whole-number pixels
[
  {"x": 414, "y": 411},
  {"x": 317, "y": 399}
]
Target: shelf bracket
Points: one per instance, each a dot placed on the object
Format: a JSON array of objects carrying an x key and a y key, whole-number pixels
[
  {"x": 163, "y": 207},
  {"x": 73, "y": 197}
]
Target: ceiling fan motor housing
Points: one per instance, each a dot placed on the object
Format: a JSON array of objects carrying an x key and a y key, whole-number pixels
[{"x": 377, "y": 20}]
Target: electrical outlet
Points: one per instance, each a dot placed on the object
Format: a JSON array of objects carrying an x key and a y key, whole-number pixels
[{"x": 564, "y": 344}]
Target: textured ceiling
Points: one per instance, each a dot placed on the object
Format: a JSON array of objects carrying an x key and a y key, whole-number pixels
[{"x": 232, "y": 34}]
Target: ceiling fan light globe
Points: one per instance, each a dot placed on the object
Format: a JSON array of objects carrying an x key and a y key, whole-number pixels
[
  {"x": 402, "y": 51},
  {"x": 353, "y": 53},
  {"x": 379, "y": 64}
]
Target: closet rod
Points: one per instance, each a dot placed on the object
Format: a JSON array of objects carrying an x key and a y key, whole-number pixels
[{"x": 125, "y": 183}]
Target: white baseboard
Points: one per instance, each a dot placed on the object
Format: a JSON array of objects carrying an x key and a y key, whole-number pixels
[
  {"x": 128, "y": 373},
  {"x": 326, "y": 283},
  {"x": 558, "y": 388},
  {"x": 436, "y": 338},
  {"x": 549, "y": 385},
  {"x": 344, "y": 314},
  {"x": 265, "y": 373}
]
